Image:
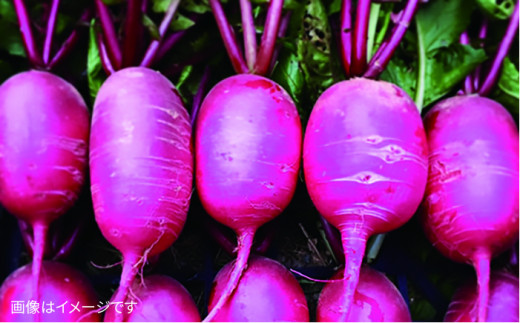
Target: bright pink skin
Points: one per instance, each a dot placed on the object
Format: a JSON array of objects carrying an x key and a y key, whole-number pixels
[
  {"x": 141, "y": 165},
  {"x": 365, "y": 163},
  {"x": 376, "y": 300},
  {"x": 160, "y": 299},
  {"x": 267, "y": 292},
  {"x": 471, "y": 201},
  {"x": 248, "y": 145},
  {"x": 503, "y": 301},
  {"x": 44, "y": 128},
  {"x": 59, "y": 284}
]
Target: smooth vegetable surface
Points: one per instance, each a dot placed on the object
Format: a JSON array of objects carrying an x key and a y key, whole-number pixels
[
  {"x": 471, "y": 202},
  {"x": 248, "y": 145},
  {"x": 502, "y": 306},
  {"x": 157, "y": 298},
  {"x": 267, "y": 292},
  {"x": 60, "y": 284},
  {"x": 365, "y": 163},
  {"x": 376, "y": 300},
  {"x": 141, "y": 165},
  {"x": 44, "y": 127}
]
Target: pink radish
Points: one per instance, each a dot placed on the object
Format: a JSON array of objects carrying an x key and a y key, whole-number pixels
[
  {"x": 471, "y": 203},
  {"x": 267, "y": 292},
  {"x": 247, "y": 141},
  {"x": 247, "y": 145},
  {"x": 157, "y": 298},
  {"x": 44, "y": 127},
  {"x": 140, "y": 165},
  {"x": 502, "y": 306},
  {"x": 365, "y": 164},
  {"x": 376, "y": 300},
  {"x": 63, "y": 293}
]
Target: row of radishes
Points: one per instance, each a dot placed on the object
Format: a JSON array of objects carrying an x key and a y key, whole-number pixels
[{"x": 365, "y": 159}]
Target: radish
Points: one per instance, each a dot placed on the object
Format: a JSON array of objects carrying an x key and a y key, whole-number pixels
[
  {"x": 267, "y": 292},
  {"x": 63, "y": 293},
  {"x": 141, "y": 159},
  {"x": 471, "y": 203},
  {"x": 502, "y": 306},
  {"x": 247, "y": 143},
  {"x": 140, "y": 166},
  {"x": 376, "y": 300},
  {"x": 44, "y": 127},
  {"x": 364, "y": 152},
  {"x": 157, "y": 298}
]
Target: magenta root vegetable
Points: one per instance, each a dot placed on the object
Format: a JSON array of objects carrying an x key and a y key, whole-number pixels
[
  {"x": 502, "y": 306},
  {"x": 471, "y": 202},
  {"x": 247, "y": 144},
  {"x": 365, "y": 164},
  {"x": 376, "y": 300},
  {"x": 157, "y": 298},
  {"x": 267, "y": 292},
  {"x": 60, "y": 285},
  {"x": 44, "y": 127},
  {"x": 141, "y": 166}
]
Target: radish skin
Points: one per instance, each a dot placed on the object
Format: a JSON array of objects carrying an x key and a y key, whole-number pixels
[
  {"x": 267, "y": 292},
  {"x": 59, "y": 284},
  {"x": 376, "y": 300},
  {"x": 44, "y": 127},
  {"x": 365, "y": 164},
  {"x": 157, "y": 298},
  {"x": 141, "y": 166},
  {"x": 502, "y": 306},
  {"x": 247, "y": 145},
  {"x": 471, "y": 202}
]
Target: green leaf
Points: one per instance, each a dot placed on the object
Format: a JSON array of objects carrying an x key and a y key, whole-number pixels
[
  {"x": 185, "y": 74},
  {"x": 507, "y": 89},
  {"x": 181, "y": 22},
  {"x": 151, "y": 27},
  {"x": 95, "y": 74},
  {"x": 443, "y": 21},
  {"x": 496, "y": 9},
  {"x": 11, "y": 40},
  {"x": 195, "y": 6}
]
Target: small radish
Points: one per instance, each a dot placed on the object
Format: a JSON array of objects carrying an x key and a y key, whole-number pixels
[
  {"x": 247, "y": 144},
  {"x": 66, "y": 295},
  {"x": 376, "y": 300},
  {"x": 157, "y": 298},
  {"x": 267, "y": 292},
  {"x": 365, "y": 151},
  {"x": 502, "y": 306},
  {"x": 140, "y": 166},
  {"x": 471, "y": 202},
  {"x": 44, "y": 127}
]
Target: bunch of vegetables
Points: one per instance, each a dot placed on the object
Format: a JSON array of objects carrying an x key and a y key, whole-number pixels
[{"x": 343, "y": 121}]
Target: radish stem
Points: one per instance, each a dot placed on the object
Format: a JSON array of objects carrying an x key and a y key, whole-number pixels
[
  {"x": 27, "y": 36},
  {"x": 346, "y": 35},
  {"x": 109, "y": 34},
  {"x": 359, "y": 41},
  {"x": 248, "y": 27},
  {"x": 132, "y": 29},
  {"x": 267, "y": 44},
  {"x": 50, "y": 31}
]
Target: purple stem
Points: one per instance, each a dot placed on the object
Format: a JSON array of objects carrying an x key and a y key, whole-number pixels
[
  {"x": 132, "y": 29},
  {"x": 109, "y": 34},
  {"x": 168, "y": 44},
  {"x": 272, "y": 24},
  {"x": 359, "y": 41},
  {"x": 228, "y": 36},
  {"x": 346, "y": 35},
  {"x": 69, "y": 43},
  {"x": 378, "y": 63},
  {"x": 27, "y": 36},
  {"x": 50, "y": 31},
  {"x": 284, "y": 24},
  {"x": 505, "y": 44},
  {"x": 144, "y": 6},
  {"x": 482, "y": 37},
  {"x": 151, "y": 52},
  {"x": 468, "y": 82},
  {"x": 248, "y": 26},
  {"x": 103, "y": 54},
  {"x": 197, "y": 100}
]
